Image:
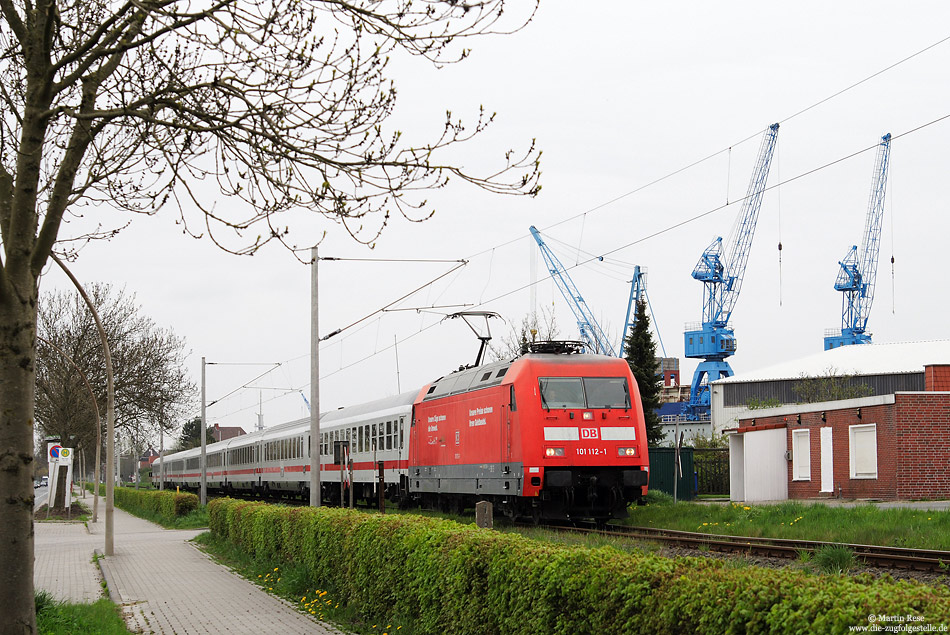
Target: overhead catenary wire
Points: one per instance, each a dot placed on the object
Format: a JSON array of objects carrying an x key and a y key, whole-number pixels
[
  {"x": 728, "y": 148},
  {"x": 663, "y": 231},
  {"x": 461, "y": 264},
  {"x": 649, "y": 184}
]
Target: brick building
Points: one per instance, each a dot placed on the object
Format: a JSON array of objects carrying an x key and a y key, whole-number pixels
[
  {"x": 887, "y": 447},
  {"x": 223, "y": 433}
]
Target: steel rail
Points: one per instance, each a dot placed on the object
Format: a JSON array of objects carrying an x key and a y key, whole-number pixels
[{"x": 876, "y": 555}]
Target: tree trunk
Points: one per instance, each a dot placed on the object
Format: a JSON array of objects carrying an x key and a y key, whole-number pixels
[{"x": 17, "y": 377}]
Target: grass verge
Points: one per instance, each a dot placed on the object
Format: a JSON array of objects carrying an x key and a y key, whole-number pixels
[
  {"x": 862, "y": 524},
  {"x": 63, "y": 618},
  {"x": 196, "y": 519},
  {"x": 291, "y": 581}
]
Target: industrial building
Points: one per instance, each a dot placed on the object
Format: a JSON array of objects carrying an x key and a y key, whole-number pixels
[
  {"x": 883, "y": 368},
  {"x": 888, "y": 438}
]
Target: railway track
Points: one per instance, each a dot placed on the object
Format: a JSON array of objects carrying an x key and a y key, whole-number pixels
[{"x": 872, "y": 555}]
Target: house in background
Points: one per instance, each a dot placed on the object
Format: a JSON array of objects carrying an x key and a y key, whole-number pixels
[
  {"x": 226, "y": 432},
  {"x": 883, "y": 447},
  {"x": 884, "y": 369}
]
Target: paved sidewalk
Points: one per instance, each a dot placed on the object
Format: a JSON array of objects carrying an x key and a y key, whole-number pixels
[
  {"x": 63, "y": 563},
  {"x": 163, "y": 582}
]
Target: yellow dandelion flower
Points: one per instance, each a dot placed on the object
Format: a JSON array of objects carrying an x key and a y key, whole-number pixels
[
  {"x": 276, "y": 568},
  {"x": 746, "y": 508},
  {"x": 303, "y": 599}
]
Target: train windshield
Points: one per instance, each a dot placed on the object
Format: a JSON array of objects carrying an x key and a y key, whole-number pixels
[{"x": 584, "y": 392}]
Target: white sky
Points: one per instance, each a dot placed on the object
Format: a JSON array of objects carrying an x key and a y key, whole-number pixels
[{"x": 616, "y": 98}]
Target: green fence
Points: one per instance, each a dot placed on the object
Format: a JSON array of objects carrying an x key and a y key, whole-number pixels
[{"x": 662, "y": 461}]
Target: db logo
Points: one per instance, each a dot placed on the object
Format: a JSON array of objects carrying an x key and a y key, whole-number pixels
[{"x": 588, "y": 433}]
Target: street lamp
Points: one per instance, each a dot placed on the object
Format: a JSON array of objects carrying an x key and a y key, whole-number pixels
[{"x": 110, "y": 410}]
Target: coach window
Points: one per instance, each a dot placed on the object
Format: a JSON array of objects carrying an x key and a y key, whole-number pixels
[
  {"x": 389, "y": 435},
  {"x": 402, "y": 431}
]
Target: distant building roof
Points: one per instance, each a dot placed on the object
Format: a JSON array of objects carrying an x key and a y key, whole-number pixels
[
  {"x": 860, "y": 359},
  {"x": 223, "y": 433}
]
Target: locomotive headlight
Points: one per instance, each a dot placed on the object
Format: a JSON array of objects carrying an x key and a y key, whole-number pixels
[
  {"x": 588, "y": 416},
  {"x": 552, "y": 452},
  {"x": 626, "y": 451}
]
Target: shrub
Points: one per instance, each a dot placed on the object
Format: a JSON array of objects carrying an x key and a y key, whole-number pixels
[
  {"x": 450, "y": 578},
  {"x": 168, "y": 504}
]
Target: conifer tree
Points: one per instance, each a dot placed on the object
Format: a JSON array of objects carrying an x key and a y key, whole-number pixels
[{"x": 640, "y": 353}]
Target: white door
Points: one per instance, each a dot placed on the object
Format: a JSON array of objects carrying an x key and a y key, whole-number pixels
[{"x": 827, "y": 473}]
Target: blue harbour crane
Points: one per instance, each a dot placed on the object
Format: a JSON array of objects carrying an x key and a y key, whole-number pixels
[
  {"x": 721, "y": 275},
  {"x": 638, "y": 288},
  {"x": 638, "y": 291},
  {"x": 858, "y": 271},
  {"x": 589, "y": 328}
]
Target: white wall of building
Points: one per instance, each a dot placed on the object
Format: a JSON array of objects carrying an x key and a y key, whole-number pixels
[
  {"x": 758, "y": 469},
  {"x": 723, "y": 418}
]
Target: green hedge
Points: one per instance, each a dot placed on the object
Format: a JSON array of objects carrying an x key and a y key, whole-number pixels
[
  {"x": 454, "y": 578},
  {"x": 169, "y": 505}
]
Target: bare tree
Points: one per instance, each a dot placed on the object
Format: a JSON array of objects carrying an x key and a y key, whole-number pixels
[
  {"x": 281, "y": 105},
  {"x": 152, "y": 389},
  {"x": 537, "y": 326}
]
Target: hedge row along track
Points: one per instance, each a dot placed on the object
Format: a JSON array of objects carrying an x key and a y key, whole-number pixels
[{"x": 872, "y": 555}]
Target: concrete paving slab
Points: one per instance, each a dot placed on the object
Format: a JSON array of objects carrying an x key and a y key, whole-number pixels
[{"x": 164, "y": 583}]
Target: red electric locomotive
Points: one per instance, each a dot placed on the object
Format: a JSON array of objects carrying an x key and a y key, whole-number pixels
[{"x": 553, "y": 433}]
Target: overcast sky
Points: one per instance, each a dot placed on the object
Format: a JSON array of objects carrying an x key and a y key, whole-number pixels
[{"x": 618, "y": 95}]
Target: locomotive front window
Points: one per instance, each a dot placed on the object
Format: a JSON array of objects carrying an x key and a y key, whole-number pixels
[
  {"x": 607, "y": 392},
  {"x": 586, "y": 392},
  {"x": 562, "y": 392}
]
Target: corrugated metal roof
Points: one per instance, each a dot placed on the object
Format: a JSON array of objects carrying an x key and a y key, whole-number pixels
[{"x": 861, "y": 359}]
